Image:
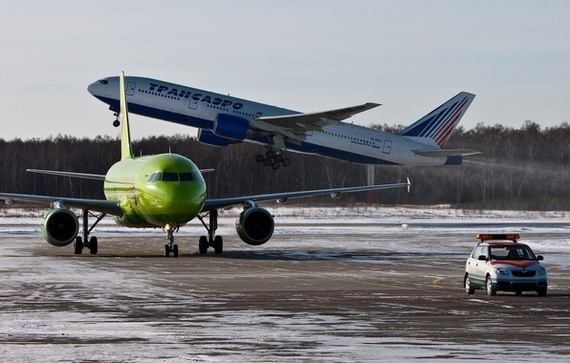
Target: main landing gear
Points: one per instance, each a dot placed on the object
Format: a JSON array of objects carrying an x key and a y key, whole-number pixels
[
  {"x": 217, "y": 242},
  {"x": 86, "y": 242},
  {"x": 170, "y": 247},
  {"x": 273, "y": 158}
]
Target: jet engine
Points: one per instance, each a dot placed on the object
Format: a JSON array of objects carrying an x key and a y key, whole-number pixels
[
  {"x": 208, "y": 137},
  {"x": 230, "y": 127},
  {"x": 60, "y": 227},
  {"x": 255, "y": 226}
]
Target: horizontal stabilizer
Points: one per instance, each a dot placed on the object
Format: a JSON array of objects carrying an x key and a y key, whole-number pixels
[
  {"x": 69, "y": 174},
  {"x": 446, "y": 152}
]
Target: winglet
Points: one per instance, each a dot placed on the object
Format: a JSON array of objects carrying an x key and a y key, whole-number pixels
[{"x": 126, "y": 148}]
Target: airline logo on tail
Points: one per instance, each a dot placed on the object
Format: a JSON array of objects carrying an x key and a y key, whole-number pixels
[{"x": 438, "y": 124}]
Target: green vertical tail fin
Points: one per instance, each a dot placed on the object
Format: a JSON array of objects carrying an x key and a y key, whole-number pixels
[{"x": 126, "y": 148}]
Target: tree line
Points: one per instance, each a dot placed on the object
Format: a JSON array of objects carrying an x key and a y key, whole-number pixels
[{"x": 526, "y": 168}]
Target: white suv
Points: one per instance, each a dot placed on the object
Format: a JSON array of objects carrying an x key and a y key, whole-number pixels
[{"x": 504, "y": 264}]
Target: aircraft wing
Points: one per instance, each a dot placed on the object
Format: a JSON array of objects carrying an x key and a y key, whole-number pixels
[
  {"x": 283, "y": 197},
  {"x": 447, "y": 152},
  {"x": 105, "y": 206},
  {"x": 315, "y": 119}
]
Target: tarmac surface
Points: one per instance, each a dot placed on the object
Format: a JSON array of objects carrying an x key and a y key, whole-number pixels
[{"x": 360, "y": 295}]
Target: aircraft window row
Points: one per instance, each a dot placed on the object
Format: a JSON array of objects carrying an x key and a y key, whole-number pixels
[
  {"x": 159, "y": 94},
  {"x": 368, "y": 142},
  {"x": 235, "y": 112},
  {"x": 170, "y": 177}
]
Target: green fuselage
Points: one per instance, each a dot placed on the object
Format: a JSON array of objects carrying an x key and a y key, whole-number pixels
[{"x": 155, "y": 191}]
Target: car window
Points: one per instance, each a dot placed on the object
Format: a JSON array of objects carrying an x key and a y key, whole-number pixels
[
  {"x": 476, "y": 252},
  {"x": 516, "y": 252},
  {"x": 484, "y": 251}
]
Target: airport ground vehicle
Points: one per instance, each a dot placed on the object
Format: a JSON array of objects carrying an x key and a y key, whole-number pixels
[{"x": 500, "y": 263}]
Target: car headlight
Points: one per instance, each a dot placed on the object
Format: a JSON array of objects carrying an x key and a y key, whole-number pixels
[
  {"x": 501, "y": 271},
  {"x": 541, "y": 271}
]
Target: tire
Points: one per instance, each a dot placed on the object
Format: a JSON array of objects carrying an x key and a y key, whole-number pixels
[
  {"x": 489, "y": 287},
  {"x": 541, "y": 292},
  {"x": 469, "y": 289},
  {"x": 518, "y": 293},
  {"x": 218, "y": 245},
  {"x": 78, "y": 246},
  {"x": 203, "y": 245},
  {"x": 259, "y": 158},
  {"x": 175, "y": 250},
  {"x": 93, "y": 245},
  {"x": 166, "y": 250}
]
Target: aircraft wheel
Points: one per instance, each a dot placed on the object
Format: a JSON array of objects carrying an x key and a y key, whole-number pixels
[
  {"x": 259, "y": 158},
  {"x": 93, "y": 245},
  {"x": 203, "y": 245},
  {"x": 218, "y": 245},
  {"x": 275, "y": 166},
  {"x": 175, "y": 250},
  {"x": 166, "y": 250},
  {"x": 116, "y": 123},
  {"x": 78, "y": 246},
  {"x": 286, "y": 162}
]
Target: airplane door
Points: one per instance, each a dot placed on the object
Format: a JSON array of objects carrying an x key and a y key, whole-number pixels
[
  {"x": 193, "y": 105},
  {"x": 131, "y": 88},
  {"x": 387, "y": 149}
]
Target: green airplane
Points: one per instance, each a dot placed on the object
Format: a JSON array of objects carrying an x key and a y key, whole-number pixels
[{"x": 165, "y": 191}]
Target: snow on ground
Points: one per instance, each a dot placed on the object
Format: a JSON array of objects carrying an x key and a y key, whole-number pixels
[{"x": 149, "y": 341}]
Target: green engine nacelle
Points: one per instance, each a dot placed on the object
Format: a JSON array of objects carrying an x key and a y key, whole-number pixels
[
  {"x": 255, "y": 226},
  {"x": 60, "y": 227}
]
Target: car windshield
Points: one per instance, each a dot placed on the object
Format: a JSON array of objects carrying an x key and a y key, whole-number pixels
[{"x": 517, "y": 252}]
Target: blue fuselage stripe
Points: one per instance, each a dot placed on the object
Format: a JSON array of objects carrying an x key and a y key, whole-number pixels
[{"x": 304, "y": 147}]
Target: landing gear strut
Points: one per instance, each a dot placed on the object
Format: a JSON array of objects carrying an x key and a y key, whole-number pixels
[
  {"x": 273, "y": 158},
  {"x": 217, "y": 242},
  {"x": 170, "y": 247},
  {"x": 86, "y": 242}
]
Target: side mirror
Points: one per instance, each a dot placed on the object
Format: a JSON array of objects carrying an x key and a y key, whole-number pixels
[
  {"x": 539, "y": 258},
  {"x": 482, "y": 258}
]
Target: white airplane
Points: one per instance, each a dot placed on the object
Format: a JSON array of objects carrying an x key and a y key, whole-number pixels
[
  {"x": 223, "y": 120},
  {"x": 159, "y": 191}
]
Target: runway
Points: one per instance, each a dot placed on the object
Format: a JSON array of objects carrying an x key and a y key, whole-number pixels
[{"x": 320, "y": 290}]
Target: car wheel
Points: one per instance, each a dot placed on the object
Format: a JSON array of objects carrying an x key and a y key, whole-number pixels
[
  {"x": 489, "y": 287},
  {"x": 541, "y": 292},
  {"x": 467, "y": 284}
]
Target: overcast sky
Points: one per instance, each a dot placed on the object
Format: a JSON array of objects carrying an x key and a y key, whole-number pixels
[{"x": 305, "y": 55}]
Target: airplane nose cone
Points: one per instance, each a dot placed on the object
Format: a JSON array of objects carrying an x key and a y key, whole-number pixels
[{"x": 92, "y": 88}]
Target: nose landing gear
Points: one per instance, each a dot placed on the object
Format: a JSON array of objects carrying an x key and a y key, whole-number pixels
[
  {"x": 116, "y": 123},
  {"x": 170, "y": 247}
]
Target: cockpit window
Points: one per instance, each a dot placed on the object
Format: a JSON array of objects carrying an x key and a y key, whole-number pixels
[
  {"x": 186, "y": 177},
  {"x": 103, "y": 81},
  {"x": 154, "y": 177},
  {"x": 170, "y": 177}
]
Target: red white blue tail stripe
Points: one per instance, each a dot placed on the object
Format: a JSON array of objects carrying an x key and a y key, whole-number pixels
[{"x": 438, "y": 124}]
